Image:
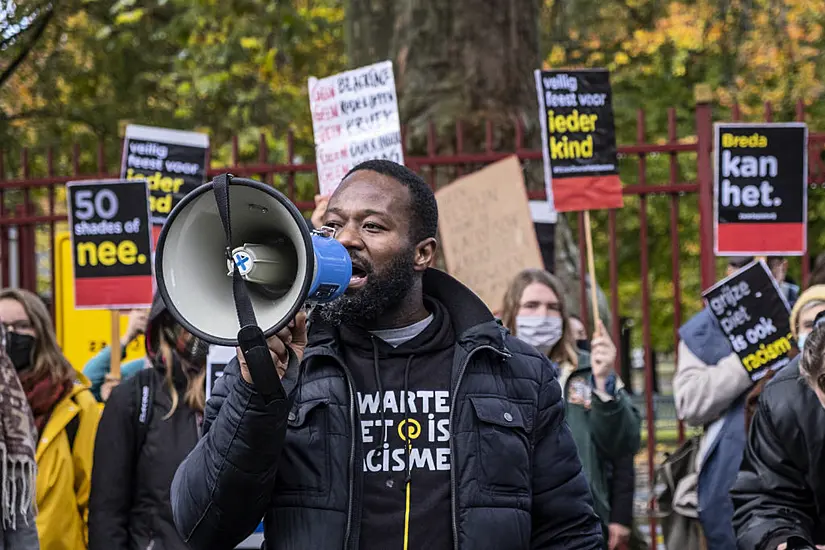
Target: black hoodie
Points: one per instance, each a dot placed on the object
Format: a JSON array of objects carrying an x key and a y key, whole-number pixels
[{"x": 406, "y": 389}]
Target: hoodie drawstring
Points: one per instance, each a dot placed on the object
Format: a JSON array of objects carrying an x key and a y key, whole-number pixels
[{"x": 406, "y": 421}]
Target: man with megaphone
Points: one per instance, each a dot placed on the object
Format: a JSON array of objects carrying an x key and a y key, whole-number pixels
[{"x": 407, "y": 418}]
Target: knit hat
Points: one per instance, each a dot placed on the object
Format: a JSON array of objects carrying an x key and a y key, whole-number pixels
[{"x": 811, "y": 294}]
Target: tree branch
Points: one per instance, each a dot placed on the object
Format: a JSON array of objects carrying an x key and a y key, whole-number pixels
[{"x": 44, "y": 22}]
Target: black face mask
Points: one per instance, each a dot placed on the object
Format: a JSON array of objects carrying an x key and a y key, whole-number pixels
[
  {"x": 583, "y": 345},
  {"x": 20, "y": 348}
]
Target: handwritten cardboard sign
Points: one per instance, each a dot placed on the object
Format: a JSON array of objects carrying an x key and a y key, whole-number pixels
[
  {"x": 354, "y": 119},
  {"x": 755, "y": 317},
  {"x": 486, "y": 231}
]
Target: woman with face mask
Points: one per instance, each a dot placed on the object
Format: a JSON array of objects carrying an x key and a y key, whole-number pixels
[
  {"x": 65, "y": 414},
  {"x": 601, "y": 417},
  {"x": 150, "y": 423}
]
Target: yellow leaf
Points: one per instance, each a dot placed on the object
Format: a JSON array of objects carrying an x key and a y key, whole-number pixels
[
  {"x": 129, "y": 17},
  {"x": 250, "y": 42}
]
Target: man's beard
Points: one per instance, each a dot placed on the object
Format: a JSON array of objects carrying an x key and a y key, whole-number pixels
[{"x": 384, "y": 290}]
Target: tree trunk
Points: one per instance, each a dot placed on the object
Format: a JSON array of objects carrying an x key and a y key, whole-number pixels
[{"x": 463, "y": 60}]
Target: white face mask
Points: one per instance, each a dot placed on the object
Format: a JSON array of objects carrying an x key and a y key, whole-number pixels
[
  {"x": 800, "y": 342},
  {"x": 540, "y": 332}
]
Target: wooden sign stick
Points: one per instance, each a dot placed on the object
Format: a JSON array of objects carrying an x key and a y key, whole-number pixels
[
  {"x": 114, "y": 360},
  {"x": 591, "y": 268}
]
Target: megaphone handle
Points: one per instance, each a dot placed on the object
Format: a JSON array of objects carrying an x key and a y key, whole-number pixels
[
  {"x": 259, "y": 361},
  {"x": 251, "y": 338}
]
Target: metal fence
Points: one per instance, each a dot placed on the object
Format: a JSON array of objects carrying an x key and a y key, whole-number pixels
[{"x": 674, "y": 175}]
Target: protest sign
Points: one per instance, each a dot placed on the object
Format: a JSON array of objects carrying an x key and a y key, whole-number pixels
[
  {"x": 760, "y": 189},
  {"x": 354, "y": 118},
  {"x": 578, "y": 140},
  {"x": 216, "y": 361},
  {"x": 82, "y": 333},
  {"x": 486, "y": 232},
  {"x": 754, "y": 316},
  {"x": 172, "y": 161},
  {"x": 111, "y": 244}
]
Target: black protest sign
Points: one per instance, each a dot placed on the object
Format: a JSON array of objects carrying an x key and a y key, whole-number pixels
[
  {"x": 579, "y": 139},
  {"x": 761, "y": 189},
  {"x": 754, "y": 316},
  {"x": 111, "y": 243},
  {"x": 173, "y": 162}
]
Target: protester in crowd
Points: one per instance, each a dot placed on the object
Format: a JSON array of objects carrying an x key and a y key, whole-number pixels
[
  {"x": 65, "y": 413},
  {"x": 809, "y": 304},
  {"x": 779, "y": 492},
  {"x": 97, "y": 369},
  {"x": 709, "y": 390},
  {"x": 578, "y": 332},
  {"x": 18, "y": 441},
  {"x": 604, "y": 423},
  {"x": 141, "y": 443},
  {"x": 779, "y": 268},
  {"x": 474, "y": 451}
]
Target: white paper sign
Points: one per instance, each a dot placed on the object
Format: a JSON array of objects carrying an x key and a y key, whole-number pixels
[
  {"x": 216, "y": 361},
  {"x": 354, "y": 118}
]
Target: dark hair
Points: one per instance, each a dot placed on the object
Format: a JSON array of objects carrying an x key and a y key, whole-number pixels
[
  {"x": 423, "y": 206},
  {"x": 812, "y": 364}
]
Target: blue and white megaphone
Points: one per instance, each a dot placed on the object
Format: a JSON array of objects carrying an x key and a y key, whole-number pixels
[{"x": 284, "y": 264}]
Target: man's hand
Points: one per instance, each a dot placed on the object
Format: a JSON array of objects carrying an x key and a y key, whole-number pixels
[
  {"x": 618, "y": 536},
  {"x": 602, "y": 356},
  {"x": 292, "y": 336},
  {"x": 784, "y": 545},
  {"x": 317, "y": 217}
]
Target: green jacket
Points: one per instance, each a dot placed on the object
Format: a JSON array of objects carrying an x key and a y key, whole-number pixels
[{"x": 603, "y": 431}]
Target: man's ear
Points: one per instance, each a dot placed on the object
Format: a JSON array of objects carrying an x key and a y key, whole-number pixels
[{"x": 425, "y": 254}]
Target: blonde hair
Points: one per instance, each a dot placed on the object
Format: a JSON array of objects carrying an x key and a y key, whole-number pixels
[
  {"x": 564, "y": 350},
  {"x": 47, "y": 358},
  {"x": 195, "y": 394}
]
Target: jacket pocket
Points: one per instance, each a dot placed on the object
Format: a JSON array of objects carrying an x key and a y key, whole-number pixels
[
  {"x": 503, "y": 455},
  {"x": 304, "y": 464}
]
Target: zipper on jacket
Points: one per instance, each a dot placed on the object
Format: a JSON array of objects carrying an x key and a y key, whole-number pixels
[
  {"x": 353, "y": 435},
  {"x": 453, "y": 485}
]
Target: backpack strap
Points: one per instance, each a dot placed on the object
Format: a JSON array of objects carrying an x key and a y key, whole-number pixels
[
  {"x": 144, "y": 400},
  {"x": 71, "y": 430}
]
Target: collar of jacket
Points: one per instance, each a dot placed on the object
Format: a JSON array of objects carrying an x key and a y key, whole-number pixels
[
  {"x": 473, "y": 323},
  {"x": 66, "y": 409}
]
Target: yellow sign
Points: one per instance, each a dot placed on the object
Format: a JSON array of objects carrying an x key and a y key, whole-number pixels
[{"x": 82, "y": 333}]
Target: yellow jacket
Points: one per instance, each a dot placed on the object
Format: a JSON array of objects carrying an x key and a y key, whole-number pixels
[{"x": 64, "y": 474}]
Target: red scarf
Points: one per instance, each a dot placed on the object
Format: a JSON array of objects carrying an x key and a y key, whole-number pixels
[{"x": 43, "y": 394}]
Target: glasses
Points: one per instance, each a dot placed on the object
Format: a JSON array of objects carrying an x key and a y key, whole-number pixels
[{"x": 17, "y": 326}]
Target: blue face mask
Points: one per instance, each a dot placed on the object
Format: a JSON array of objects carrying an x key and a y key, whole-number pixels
[{"x": 800, "y": 341}]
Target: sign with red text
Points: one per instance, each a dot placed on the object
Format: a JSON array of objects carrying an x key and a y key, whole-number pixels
[
  {"x": 172, "y": 161},
  {"x": 354, "y": 119},
  {"x": 111, "y": 244},
  {"x": 578, "y": 140},
  {"x": 761, "y": 189}
]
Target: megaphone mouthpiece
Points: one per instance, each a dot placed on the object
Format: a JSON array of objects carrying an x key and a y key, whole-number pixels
[{"x": 265, "y": 265}]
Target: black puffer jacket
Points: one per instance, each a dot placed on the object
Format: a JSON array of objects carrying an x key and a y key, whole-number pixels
[
  {"x": 780, "y": 490},
  {"x": 517, "y": 481}
]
